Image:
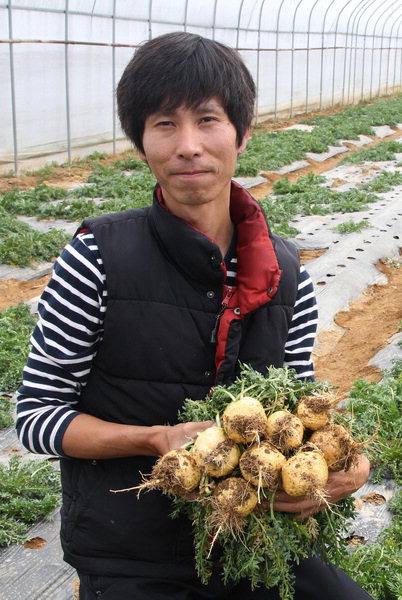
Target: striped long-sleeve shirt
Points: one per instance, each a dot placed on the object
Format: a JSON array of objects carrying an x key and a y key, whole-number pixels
[{"x": 70, "y": 327}]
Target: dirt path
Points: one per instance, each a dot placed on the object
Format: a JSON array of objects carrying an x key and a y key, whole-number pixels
[
  {"x": 13, "y": 291},
  {"x": 367, "y": 327}
]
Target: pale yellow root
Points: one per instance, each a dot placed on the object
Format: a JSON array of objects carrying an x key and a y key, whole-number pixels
[
  {"x": 152, "y": 484},
  {"x": 214, "y": 540}
]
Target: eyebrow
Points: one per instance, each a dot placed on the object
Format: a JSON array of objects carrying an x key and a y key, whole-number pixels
[
  {"x": 208, "y": 107},
  {"x": 204, "y": 107}
]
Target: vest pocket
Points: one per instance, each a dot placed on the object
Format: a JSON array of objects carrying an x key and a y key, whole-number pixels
[
  {"x": 100, "y": 523},
  {"x": 80, "y": 480}
]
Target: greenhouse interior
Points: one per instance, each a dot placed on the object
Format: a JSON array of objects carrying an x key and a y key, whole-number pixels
[
  {"x": 323, "y": 168},
  {"x": 61, "y": 60}
]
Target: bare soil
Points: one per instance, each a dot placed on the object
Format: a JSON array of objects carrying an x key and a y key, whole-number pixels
[
  {"x": 366, "y": 327},
  {"x": 341, "y": 356},
  {"x": 61, "y": 176},
  {"x": 13, "y": 291}
]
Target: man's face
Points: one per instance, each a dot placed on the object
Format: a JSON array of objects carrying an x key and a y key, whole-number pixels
[{"x": 192, "y": 153}]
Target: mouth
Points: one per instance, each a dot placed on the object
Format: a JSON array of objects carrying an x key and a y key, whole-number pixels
[{"x": 190, "y": 173}]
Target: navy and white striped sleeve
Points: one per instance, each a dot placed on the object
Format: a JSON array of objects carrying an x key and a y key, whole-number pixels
[
  {"x": 303, "y": 328},
  {"x": 64, "y": 342}
]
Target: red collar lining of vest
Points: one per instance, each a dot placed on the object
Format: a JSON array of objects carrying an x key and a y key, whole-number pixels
[{"x": 258, "y": 272}]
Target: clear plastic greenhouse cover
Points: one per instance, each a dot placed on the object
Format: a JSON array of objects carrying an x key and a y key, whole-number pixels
[{"x": 60, "y": 60}]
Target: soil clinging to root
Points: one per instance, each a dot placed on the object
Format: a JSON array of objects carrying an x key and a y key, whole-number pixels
[
  {"x": 248, "y": 427},
  {"x": 218, "y": 457}
]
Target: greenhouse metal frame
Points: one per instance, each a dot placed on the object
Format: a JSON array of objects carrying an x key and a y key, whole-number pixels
[{"x": 304, "y": 55}]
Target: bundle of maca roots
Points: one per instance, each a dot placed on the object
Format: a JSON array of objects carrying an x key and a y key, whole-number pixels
[{"x": 272, "y": 432}]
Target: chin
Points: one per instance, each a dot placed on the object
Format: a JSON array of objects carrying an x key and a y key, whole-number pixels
[{"x": 193, "y": 199}]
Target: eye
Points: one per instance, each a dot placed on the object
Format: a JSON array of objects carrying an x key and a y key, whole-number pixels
[
  {"x": 208, "y": 119},
  {"x": 163, "y": 123}
]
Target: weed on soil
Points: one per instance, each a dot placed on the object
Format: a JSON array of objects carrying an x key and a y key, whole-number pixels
[{"x": 29, "y": 490}]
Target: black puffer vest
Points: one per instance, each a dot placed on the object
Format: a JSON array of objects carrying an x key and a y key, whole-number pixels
[{"x": 167, "y": 337}]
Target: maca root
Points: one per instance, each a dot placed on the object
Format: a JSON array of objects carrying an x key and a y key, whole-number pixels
[
  {"x": 174, "y": 473},
  {"x": 233, "y": 499},
  {"x": 340, "y": 450},
  {"x": 315, "y": 411},
  {"x": 244, "y": 420},
  {"x": 261, "y": 465},
  {"x": 249, "y": 428},
  {"x": 306, "y": 473},
  {"x": 218, "y": 457},
  {"x": 285, "y": 430},
  {"x": 319, "y": 403}
]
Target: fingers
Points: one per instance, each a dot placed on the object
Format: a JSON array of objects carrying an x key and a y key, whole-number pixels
[
  {"x": 178, "y": 435},
  {"x": 193, "y": 428},
  {"x": 340, "y": 484}
]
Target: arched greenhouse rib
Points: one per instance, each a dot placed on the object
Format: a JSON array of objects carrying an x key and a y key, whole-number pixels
[{"x": 61, "y": 64}]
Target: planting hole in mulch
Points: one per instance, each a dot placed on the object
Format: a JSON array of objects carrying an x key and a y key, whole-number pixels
[
  {"x": 373, "y": 498},
  {"x": 35, "y": 543},
  {"x": 356, "y": 540},
  {"x": 306, "y": 255}
]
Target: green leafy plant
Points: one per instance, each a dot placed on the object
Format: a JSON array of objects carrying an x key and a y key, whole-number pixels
[
  {"x": 45, "y": 172},
  {"x": 112, "y": 189},
  {"x": 6, "y": 418},
  {"x": 385, "y": 181},
  {"x": 307, "y": 196},
  {"x": 269, "y": 151},
  {"x": 354, "y": 120},
  {"x": 371, "y": 404},
  {"x": 28, "y": 202},
  {"x": 16, "y": 325},
  {"x": 97, "y": 156},
  {"x": 131, "y": 164},
  {"x": 109, "y": 182},
  {"x": 351, "y": 226},
  {"x": 383, "y": 151},
  {"x": 278, "y": 215},
  {"x": 22, "y": 246},
  {"x": 29, "y": 491},
  {"x": 377, "y": 567}
]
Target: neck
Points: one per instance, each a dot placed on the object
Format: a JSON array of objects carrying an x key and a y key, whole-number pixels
[
  {"x": 212, "y": 219},
  {"x": 215, "y": 225}
]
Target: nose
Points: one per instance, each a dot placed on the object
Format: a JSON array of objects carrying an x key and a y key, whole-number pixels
[{"x": 188, "y": 142}]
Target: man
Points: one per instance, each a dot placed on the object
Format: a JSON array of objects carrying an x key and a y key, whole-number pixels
[{"x": 151, "y": 306}]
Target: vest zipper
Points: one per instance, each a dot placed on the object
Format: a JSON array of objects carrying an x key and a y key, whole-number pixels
[{"x": 224, "y": 305}]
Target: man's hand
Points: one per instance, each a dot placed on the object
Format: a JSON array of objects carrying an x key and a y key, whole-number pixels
[
  {"x": 174, "y": 437},
  {"x": 340, "y": 484}
]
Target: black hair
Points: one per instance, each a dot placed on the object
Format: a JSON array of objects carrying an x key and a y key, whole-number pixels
[{"x": 182, "y": 68}]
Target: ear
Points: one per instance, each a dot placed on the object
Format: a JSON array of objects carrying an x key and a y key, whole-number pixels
[{"x": 244, "y": 141}]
